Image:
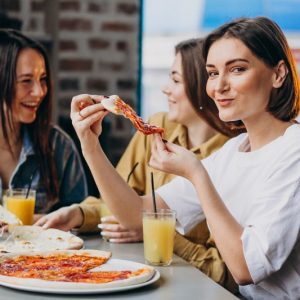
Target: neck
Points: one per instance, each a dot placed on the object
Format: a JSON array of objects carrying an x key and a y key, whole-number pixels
[
  {"x": 14, "y": 138},
  {"x": 264, "y": 129},
  {"x": 199, "y": 133}
]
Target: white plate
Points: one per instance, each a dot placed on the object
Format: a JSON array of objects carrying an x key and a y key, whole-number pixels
[{"x": 54, "y": 287}]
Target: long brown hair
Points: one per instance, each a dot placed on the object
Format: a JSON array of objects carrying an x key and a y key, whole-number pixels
[
  {"x": 195, "y": 78},
  {"x": 12, "y": 42}
]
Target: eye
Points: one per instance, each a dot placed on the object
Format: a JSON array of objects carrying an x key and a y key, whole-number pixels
[
  {"x": 212, "y": 73},
  {"x": 238, "y": 69},
  {"x": 26, "y": 81},
  {"x": 44, "y": 79}
]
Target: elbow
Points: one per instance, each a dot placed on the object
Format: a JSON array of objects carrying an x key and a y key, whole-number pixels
[{"x": 242, "y": 278}]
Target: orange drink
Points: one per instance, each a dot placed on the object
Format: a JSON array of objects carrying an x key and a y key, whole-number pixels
[
  {"x": 17, "y": 203},
  {"x": 104, "y": 210},
  {"x": 158, "y": 233}
]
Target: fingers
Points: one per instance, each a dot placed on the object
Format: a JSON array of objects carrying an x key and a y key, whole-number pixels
[
  {"x": 41, "y": 221},
  {"x": 122, "y": 237}
]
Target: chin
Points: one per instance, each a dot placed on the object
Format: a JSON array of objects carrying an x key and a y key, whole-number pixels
[
  {"x": 172, "y": 117},
  {"x": 225, "y": 117}
]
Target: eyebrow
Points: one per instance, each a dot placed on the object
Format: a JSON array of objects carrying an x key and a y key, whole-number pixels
[
  {"x": 231, "y": 62},
  {"x": 30, "y": 75}
]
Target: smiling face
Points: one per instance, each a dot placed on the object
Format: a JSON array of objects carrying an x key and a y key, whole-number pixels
[
  {"x": 31, "y": 85},
  {"x": 180, "y": 107},
  {"x": 239, "y": 82}
]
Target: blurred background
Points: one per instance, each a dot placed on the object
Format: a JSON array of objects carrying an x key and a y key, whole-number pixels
[{"x": 126, "y": 47}]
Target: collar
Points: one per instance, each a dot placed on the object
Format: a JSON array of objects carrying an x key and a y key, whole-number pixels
[
  {"x": 179, "y": 136},
  {"x": 27, "y": 148}
]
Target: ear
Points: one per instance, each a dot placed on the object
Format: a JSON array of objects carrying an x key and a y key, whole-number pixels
[{"x": 280, "y": 73}]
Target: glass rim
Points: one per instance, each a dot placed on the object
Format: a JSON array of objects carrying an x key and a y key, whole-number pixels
[
  {"x": 160, "y": 212},
  {"x": 11, "y": 191}
]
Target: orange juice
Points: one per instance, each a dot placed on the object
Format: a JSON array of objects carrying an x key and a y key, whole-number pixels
[
  {"x": 104, "y": 210},
  {"x": 17, "y": 203},
  {"x": 158, "y": 233}
]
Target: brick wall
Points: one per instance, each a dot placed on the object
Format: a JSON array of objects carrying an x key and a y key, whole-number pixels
[{"x": 94, "y": 49}]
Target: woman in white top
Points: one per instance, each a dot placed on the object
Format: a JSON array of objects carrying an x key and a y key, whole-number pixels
[{"x": 249, "y": 190}]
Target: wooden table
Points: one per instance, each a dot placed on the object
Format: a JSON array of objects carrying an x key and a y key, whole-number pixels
[{"x": 178, "y": 281}]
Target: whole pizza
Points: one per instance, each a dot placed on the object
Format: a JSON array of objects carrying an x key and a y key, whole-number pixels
[{"x": 77, "y": 269}]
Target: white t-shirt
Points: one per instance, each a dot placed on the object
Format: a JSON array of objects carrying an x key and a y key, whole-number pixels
[{"x": 261, "y": 189}]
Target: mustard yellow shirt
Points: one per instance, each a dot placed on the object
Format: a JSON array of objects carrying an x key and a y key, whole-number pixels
[{"x": 193, "y": 247}]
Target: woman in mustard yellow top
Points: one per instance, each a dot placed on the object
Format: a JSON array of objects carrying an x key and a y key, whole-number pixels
[{"x": 191, "y": 122}]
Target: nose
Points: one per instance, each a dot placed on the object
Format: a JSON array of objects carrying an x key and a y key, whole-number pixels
[
  {"x": 37, "y": 89},
  {"x": 221, "y": 83},
  {"x": 166, "y": 90}
]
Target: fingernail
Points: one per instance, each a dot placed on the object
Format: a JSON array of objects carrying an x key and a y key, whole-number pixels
[
  {"x": 103, "y": 233},
  {"x": 100, "y": 226}
]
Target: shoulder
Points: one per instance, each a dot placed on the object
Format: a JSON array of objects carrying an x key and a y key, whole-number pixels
[{"x": 60, "y": 139}]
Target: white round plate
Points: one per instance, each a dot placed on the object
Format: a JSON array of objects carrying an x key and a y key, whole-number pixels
[{"x": 112, "y": 264}]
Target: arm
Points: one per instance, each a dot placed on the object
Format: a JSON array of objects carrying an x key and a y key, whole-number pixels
[
  {"x": 168, "y": 157},
  {"x": 123, "y": 201}
]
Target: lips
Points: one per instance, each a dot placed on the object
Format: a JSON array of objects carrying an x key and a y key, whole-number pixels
[
  {"x": 224, "y": 102},
  {"x": 30, "y": 105}
]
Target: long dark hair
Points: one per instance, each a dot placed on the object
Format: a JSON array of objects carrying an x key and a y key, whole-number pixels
[
  {"x": 12, "y": 42},
  {"x": 267, "y": 42},
  {"x": 195, "y": 78}
]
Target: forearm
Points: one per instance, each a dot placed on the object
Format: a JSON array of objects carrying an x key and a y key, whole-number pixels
[
  {"x": 123, "y": 201},
  {"x": 224, "y": 228}
]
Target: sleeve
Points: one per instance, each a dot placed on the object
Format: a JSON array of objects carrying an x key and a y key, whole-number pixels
[
  {"x": 273, "y": 226},
  {"x": 180, "y": 195},
  {"x": 72, "y": 180},
  {"x": 90, "y": 208}
]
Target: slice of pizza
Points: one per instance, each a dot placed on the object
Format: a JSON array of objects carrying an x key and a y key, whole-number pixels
[
  {"x": 8, "y": 218},
  {"x": 117, "y": 106}
]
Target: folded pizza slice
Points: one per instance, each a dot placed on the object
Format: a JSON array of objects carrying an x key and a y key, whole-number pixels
[{"x": 117, "y": 106}]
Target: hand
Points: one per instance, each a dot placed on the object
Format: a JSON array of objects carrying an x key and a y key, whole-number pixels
[
  {"x": 116, "y": 233},
  {"x": 65, "y": 218},
  {"x": 87, "y": 118},
  {"x": 171, "y": 158}
]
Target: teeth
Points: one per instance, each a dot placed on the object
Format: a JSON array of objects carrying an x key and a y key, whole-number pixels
[{"x": 31, "y": 104}]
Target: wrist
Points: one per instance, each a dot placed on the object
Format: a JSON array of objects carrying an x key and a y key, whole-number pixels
[
  {"x": 197, "y": 174},
  {"x": 78, "y": 215}
]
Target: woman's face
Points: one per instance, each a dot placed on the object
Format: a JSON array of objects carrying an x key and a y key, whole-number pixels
[
  {"x": 180, "y": 108},
  {"x": 239, "y": 82},
  {"x": 31, "y": 86}
]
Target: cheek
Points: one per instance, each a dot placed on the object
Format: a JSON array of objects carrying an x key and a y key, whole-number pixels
[{"x": 209, "y": 89}]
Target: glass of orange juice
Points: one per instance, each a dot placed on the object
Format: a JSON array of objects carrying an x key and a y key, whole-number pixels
[
  {"x": 20, "y": 205},
  {"x": 104, "y": 210},
  {"x": 158, "y": 234}
]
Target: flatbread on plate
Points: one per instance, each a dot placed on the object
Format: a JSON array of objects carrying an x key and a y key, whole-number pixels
[
  {"x": 140, "y": 273},
  {"x": 35, "y": 238},
  {"x": 8, "y": 218}
]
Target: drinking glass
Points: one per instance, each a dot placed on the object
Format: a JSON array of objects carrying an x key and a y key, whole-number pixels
[
  {"x": 16, "y": 202},
  {"x": 158, "y": 234}
]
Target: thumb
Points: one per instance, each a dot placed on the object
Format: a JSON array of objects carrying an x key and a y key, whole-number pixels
[{"x": 172, "y": 147}]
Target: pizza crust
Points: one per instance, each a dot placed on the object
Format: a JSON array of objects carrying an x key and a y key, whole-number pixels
[
  {"x": 145, "y": 274},
  {"x": 35, "y": 238}
]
